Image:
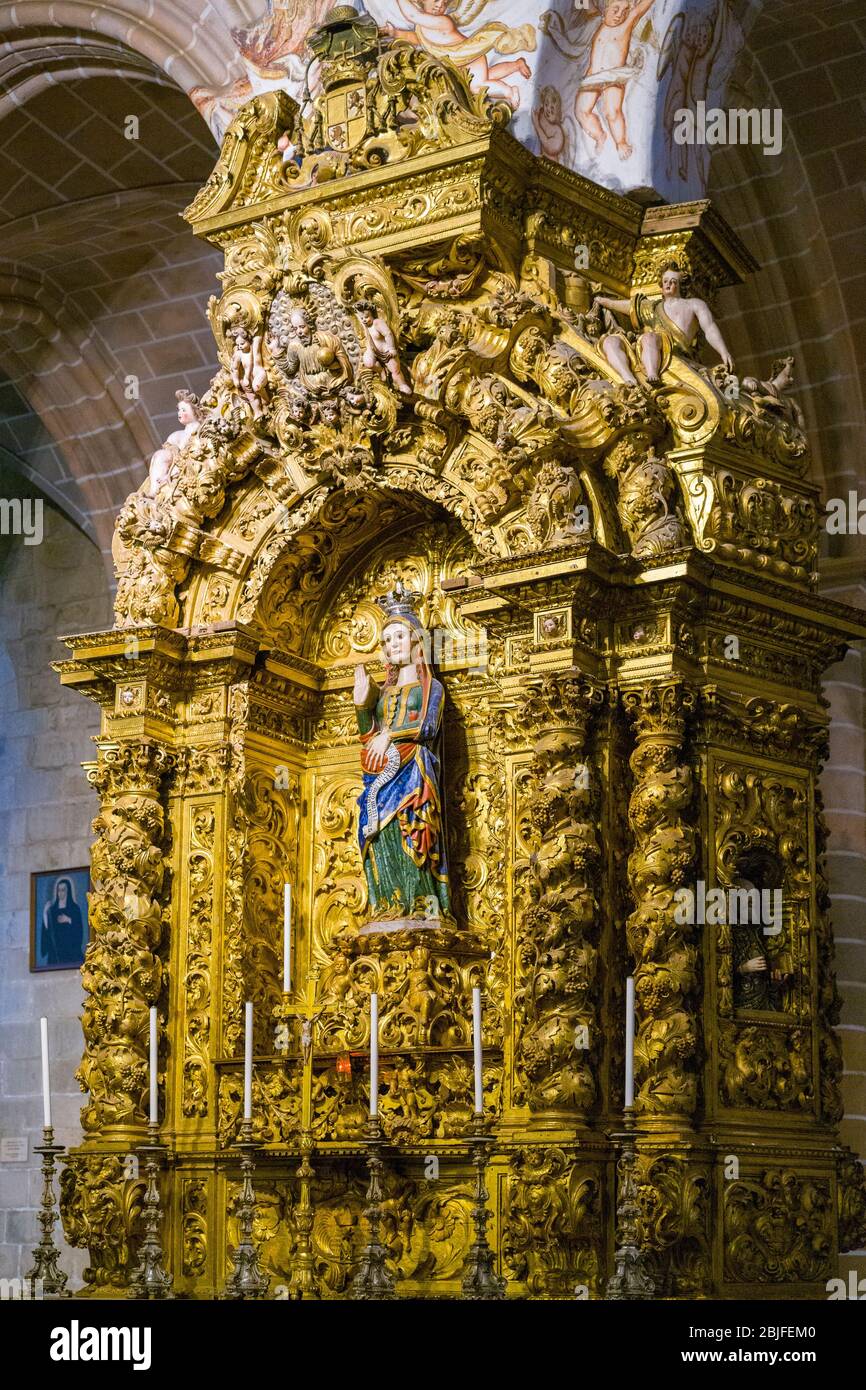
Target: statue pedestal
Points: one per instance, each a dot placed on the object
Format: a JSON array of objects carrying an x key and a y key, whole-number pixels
[{"x": 424, "y": 974}]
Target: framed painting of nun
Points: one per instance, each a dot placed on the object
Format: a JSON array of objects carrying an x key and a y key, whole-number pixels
[{"x": 58, "y": 918}]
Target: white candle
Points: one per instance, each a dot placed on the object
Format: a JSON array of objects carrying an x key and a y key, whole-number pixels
[
  {"x": 46, "y": 1085},
  {"x": 287, "y": 937},
  {"x": 248, "y": 1062},
  {"x": 374, "y": 1055},
  {"x": 476, "y": 1047},
  {"x": 629, "y": 1041},
  {"x": 154, "y": 1063}
]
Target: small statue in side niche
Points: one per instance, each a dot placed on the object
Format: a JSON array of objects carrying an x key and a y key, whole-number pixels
[
  {"x": 164, "y": 460},
  {"x": 759, "y": 979},
  {"x": 770, "y": 395},
  {"x": 247, "y": 370},
  {"x": 380, "y": 347},
  {"x": 671, "y": 324}
]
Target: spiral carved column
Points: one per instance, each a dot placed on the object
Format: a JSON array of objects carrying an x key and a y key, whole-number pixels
[
  {"x": 122, "y": 972},
  {"x": 557, "y": 956},
  {"x": 661, "y": 861}
]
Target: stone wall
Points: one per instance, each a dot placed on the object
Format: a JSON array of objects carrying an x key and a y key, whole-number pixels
[{"x": 46, "y": 808}]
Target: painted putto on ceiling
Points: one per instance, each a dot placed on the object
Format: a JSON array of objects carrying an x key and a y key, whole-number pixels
[{"x": 597, "y": 85}]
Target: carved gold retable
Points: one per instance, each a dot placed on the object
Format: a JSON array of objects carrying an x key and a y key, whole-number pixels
[{"x": 586, "y": 550}]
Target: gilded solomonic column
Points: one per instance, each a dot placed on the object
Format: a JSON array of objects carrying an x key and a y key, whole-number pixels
[
  {"x": 662, "y": 818},
  {"x": 123, "y": 972},
  {"x": 557, "y": 1043}
]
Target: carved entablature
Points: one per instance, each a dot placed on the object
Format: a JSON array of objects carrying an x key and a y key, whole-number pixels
[{"x": 756, "y": 724}]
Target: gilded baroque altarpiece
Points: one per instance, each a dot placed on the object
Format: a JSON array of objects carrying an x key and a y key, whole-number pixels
[{"x": 418, "y": 387}]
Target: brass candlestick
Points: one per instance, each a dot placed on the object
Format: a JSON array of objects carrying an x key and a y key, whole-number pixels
[
  {"x": 480, "y": 1280},
  {"x": 630, "y": 1280},
  {"x": 373, "y": 1279},
  {"x": 303, "y": 1283},
  {"x": 45, "y": 1269},
  {"x": 246, "y": 1279},
  {"x": 149, "y": 1278}
]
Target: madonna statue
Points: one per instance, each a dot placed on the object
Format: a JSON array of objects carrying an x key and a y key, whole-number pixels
[{"x": 401, "y": 826}]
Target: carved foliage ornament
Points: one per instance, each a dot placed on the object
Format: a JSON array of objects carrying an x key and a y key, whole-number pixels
[
  {"x": 556, "y": 1002},
  {"x": 661, "y": 817},
  {"x": 122, "y": 971}
]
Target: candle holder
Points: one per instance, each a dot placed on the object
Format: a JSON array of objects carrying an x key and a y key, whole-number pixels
[
  {"x": 373, "y": 1279},
  {"x": 480, "y": 1280},
  {"x": 631, "y": 1280},
  {"x": 150, "y": 1279},
  {"x": 45, "y": 1269},
  {"x": 303, "y": 1283},
  {"x": 246, "y": 1279}
]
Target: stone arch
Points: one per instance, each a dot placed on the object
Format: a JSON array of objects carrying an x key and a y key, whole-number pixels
[
  {"x": 87, "y": 214},
  {"x": 193, "y": 47}
]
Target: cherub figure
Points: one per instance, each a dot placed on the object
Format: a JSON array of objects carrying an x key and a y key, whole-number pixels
[
  {"x": 553, "y": 131},
  {"x": 289, "y": 153},
  {"x": 608, "y": 73},
  {"x": 671, "y": 324},
  {"x": 604, "y": 49},
  {"x": 163, "y": 460},
  {"x": 380, "y": 346},
  {"x": 770, "y": 395},
  {"x": 247, "y": 370},
  {"x": 697, "y": 41},
  {"x": 435, "y": 30}
]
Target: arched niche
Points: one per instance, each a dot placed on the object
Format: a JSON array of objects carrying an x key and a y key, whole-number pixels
[{"x": 315, "y": 617}]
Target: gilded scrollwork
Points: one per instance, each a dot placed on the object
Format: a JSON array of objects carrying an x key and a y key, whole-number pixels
[
  {"x": 829, "y": 1007},
  {"x": 276, "y": 1105},
  {"x": 425, "y": 984},
  {"x": 272, "y": 808},
  {"x": 194, "y": 1227},
  {"x": 647, "y": 498},
  {"x": 851, "y": 1201},
  {"x": 778, "y": 1228},
  {"x": 551, "y": 1225},
  {"x": 762, "y": 838},
  {"x": 674, "y": 1223},
  {"x": 765, "y": 1067},
  {"x": 100, "y": 1207},
  {"x": 197, "y": 980},
  {"x": 759, "y": 521}
]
